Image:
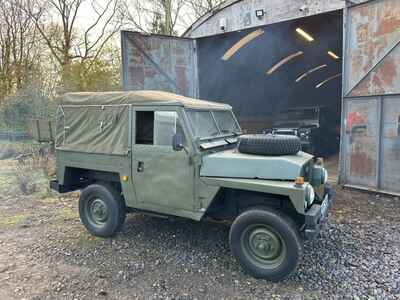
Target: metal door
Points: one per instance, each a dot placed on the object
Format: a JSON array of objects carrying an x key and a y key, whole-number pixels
[
  {"x": 370, "y": 146},
  {"x": 155, "y": 62}
]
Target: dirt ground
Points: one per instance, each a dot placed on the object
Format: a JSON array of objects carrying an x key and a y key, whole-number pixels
[
  {"x": 331, "y": 164},
  {"x": 47, "y": 254}
]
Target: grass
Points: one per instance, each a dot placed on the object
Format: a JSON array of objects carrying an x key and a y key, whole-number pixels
[
  {"x": 12, "y": 221},
  {"x": 12, "y": 149},
  {"x": 66, "y": 214}
]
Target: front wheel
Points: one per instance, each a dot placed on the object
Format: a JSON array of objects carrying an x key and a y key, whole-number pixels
[
  {"x": 101, "y": 209},
  {"x": 266, "y": 243}
]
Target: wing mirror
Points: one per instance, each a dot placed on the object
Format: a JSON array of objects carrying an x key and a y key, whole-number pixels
[{"x": 177, "y": 142}]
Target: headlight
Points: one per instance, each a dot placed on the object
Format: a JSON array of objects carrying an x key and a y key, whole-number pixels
[
  {"x": 310, "y": 195},
  {"x": 319, "y": 176}
]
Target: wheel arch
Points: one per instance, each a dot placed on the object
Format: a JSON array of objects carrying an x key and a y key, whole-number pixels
[
  {"x": 81, "y": 177},
  {"x": 282, "y": 190},
  {"x": 230, "y": 202}
]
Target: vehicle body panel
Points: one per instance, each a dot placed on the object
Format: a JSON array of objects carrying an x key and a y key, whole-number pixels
[
  {"x": 120, "y": 164},
  {"x": 275, "y": 187},
  {"x": 233, "y": 164}
]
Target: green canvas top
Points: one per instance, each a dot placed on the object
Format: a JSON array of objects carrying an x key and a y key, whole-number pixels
[{"x": 137, "y": 98}]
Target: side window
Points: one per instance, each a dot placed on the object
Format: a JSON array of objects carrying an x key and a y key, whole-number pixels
[
  {"x": 145, "y": 127},
  {"x": 157, "y": 128},
  {"x": 166, "y": 124}
]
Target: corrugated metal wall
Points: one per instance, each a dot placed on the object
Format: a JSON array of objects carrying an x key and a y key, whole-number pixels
[
  {"x": 370, "y": 152},
  {"x": 240, "y": 14},
  {"x": 154, "y": 62}
]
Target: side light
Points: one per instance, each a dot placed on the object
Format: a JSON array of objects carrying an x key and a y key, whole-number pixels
[
  {"x": 125, "y": 178},
  {"x": 299, "y": 180},
  {"x": 305, "y": 35}
]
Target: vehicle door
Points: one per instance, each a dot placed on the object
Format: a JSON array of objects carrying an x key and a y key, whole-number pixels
[{"x": 163, "y": 177}]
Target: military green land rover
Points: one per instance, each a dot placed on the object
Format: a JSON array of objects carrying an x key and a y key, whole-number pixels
[{"x": 169, "y": 155}]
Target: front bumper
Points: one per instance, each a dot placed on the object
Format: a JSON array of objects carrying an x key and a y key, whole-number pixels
[{"x": 317, "y": 214}]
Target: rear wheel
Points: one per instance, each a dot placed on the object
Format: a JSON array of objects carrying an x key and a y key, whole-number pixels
[
  {"x": 266, "y": 243},
  {"x": 101, "y": 209}
]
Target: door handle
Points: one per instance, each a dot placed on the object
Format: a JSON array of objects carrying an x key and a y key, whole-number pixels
[{"x": 140, "y": 167}]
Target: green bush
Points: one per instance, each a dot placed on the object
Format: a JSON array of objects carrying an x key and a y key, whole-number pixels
[{"x": 26, "y": 104}]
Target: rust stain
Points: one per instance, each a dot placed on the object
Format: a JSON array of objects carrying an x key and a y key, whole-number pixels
[
  {"x": 137, "y": 75},
  {"x": 380, "y": 80},
  {"x": 369, "y": 52},
  {"x": 356, "y": 61},
  {"x": 387, "y": 71},
  {"x": 362, "y": 89},
  {"x": 355, "y": 118},
  {"x": 364, "y": 11},
  {"x": 137, "y": 59},
  {"x": 362, "y": 33},
  {"x": 390, "y": 18},
  {"x": 377, "y": 84},
  {"x": 361, "y": 164},
  {"x": 181, "y": 79},
  {"x": 139, "y": 40},
  {"x": 149, "y": 72}
]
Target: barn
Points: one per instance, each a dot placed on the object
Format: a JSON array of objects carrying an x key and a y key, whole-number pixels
[{"x": 270, "y": 58}]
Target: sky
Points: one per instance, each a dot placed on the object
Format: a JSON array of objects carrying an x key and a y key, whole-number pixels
[{"x": 86, "y": 16}]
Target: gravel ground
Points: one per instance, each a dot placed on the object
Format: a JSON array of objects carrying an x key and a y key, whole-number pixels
[{"x": 47, "y": 254}]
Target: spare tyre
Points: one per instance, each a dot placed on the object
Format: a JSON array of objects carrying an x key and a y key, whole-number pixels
[{"x": 269, "y": 144}]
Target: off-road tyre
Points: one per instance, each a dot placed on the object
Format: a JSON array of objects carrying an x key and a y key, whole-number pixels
[
  {"x": 259, "y": 220},
  {"x": 102, "y": 196},
  {"x": 269, "y": 144}
]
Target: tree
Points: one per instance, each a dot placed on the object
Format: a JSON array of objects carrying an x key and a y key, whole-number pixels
[
  {"x": 155, "y": 16},
  {"x": 200, "y": 7},
  {"x": 103, "y": 75},
  {"x": 55, "y": 21},
  {"x": 28, "y": 102},
  {"x": 19, "y": 47}
]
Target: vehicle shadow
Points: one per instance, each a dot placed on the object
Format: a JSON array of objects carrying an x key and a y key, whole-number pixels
[{"x": 186, "y": 238}]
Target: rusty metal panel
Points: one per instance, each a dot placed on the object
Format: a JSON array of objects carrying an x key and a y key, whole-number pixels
[
  {"x": 372, "y": 52},
  {"x": 154, "y": 62},
  {"x": 370, "y": 146},
  {"x": 361, "y": 142},
  {"x": 383, "y": 79},
  {"x": 390, "y": 145}
]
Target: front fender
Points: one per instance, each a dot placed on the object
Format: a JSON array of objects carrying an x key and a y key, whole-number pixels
[{"x": 295, "y": 193}]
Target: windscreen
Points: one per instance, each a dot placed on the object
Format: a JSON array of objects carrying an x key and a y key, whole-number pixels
[
  {"x": 203, "y": 124},
  {"x": 208, "y": 124},
  {"x": 226, "y": 122}
]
